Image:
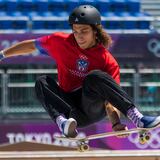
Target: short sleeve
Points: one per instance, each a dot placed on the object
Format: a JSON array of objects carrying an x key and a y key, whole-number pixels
[{"x": 41, "y": 45}]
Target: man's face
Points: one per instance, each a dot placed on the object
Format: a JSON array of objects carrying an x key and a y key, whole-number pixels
[{"x": 84, "y": 35}]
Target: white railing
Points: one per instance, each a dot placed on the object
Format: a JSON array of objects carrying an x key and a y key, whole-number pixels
[{"x": 17, "y": 89}]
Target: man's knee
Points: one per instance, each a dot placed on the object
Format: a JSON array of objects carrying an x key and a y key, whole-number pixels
[
  {"x": 41, "y": 78},
  {"x": 39, "y": 82},
  {"x": 94, "y": 77},
  {"x": 95, "y": 73}
]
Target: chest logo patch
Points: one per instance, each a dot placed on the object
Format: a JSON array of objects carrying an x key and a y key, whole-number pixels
[{"x": 82, "y": 65}]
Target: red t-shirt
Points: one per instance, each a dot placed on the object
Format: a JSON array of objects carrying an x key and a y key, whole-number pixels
[{"x": 74, "y": 63}]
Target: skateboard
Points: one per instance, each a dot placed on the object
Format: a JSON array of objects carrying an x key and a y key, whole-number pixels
[{"x": 83, "y": 142}]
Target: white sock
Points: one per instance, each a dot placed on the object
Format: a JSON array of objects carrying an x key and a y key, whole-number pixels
[
  {"x": 59, "y": 120},
  {"x": 135, "y": 116}
]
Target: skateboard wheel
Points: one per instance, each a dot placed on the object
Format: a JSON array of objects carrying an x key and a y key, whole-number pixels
[
  {"x": 142, "y": 140},
  {"x": 83, "y": 147},
  {"x": 147, "y": 136}
]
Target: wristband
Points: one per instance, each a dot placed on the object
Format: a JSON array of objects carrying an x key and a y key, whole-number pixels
[{"x": 1, "y": 54}]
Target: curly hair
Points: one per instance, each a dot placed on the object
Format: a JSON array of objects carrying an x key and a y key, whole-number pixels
[{"x": 102, "y": 36}]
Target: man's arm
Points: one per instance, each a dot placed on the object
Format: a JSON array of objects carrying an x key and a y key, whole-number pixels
[{"x": 21, "y": 48}]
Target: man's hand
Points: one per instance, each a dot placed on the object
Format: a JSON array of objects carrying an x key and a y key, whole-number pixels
[
  {"x": 114, "y": 117},
  {"x": 120, "y": 127}
]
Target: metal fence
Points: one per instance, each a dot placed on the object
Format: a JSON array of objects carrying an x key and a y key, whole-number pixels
[{"x": 17, "y": 93}]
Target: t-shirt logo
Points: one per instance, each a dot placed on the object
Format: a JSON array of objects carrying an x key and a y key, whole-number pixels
[{"x": 82, "y": 65}]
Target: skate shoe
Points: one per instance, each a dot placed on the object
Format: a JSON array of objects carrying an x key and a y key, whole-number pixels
[
  {"x": 149, "y": 122},
  {"x": 68, "y": 128}
]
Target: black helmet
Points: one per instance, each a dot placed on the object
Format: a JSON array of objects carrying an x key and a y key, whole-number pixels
[{"x": 85, "y": 14}]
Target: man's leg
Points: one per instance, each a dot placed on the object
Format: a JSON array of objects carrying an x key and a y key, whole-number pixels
[
  {"x": 101, "y": 85},
  {"x": 53, "y": 100}
]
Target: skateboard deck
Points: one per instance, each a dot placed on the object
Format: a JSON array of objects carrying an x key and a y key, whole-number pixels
[{"x": 83, "y": 142}]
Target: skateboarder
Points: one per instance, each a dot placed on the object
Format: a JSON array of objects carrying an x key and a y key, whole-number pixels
[{"x": 88, "y": 76}]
